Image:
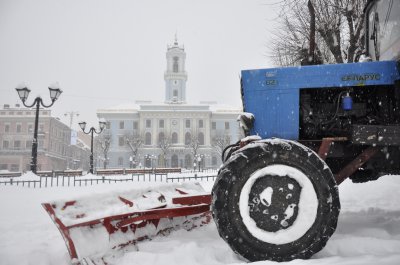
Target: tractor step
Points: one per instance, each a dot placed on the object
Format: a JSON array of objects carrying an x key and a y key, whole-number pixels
[{"x": 96, "y": 228}]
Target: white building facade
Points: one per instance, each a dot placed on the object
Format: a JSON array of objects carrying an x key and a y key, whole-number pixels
[{"x": 169, "y": 134}]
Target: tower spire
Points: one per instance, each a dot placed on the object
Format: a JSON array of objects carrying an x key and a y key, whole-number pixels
[
  {"x": 175, "y": 75},
  {"x": 176, "y": 38}
]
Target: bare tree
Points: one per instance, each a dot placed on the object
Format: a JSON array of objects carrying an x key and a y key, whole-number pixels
[
  {"x": 193, "y": 143},
  {"x": 103, "y": 142},
  {"x": 338, "y": 31},
  {"x": 134, "y": 142},
  {"x": 220, "y": 142},
  {"x": 164, "y": 143}
]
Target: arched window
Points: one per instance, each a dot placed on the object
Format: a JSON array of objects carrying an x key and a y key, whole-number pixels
[
  {"x": 175, "y": 93},
  {"x": 174, "y": 161},
  {"x": 188, "y": 138},
  {"x": 174, "y": 139},
  {"x": 120, "y": 161},
  {"x": 188, "y": 161},
  {"x": 147, "y": 139},
  {"x": 175, "y": 67},
  {"x": 201, "y": 138},
  {"x": 161, "y": 137},
  {"x": 161, "y": 161}
]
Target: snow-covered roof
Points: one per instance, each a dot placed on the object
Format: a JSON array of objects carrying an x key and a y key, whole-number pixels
[
  {"x": 122, "y": 108},
  {"x": 139, "y": 106},
  {"x": 225, "y": 108}
]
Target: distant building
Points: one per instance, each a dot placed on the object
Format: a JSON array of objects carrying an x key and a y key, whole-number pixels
[
  {"x": 54, "y": 149},
  {"x": 169, "y": 134}
]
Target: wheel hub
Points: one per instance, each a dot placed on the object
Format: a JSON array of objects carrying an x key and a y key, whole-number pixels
[{"x": 273, "y": 202}]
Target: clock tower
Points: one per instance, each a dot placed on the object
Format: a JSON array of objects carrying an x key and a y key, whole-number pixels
[{"x": 175, "y": 76}]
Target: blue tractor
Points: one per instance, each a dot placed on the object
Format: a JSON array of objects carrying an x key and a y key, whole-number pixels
[{"x": 308, "y": 129}]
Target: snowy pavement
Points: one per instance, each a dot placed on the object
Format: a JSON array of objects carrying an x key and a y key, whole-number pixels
[{"x": 368, "y": 230}]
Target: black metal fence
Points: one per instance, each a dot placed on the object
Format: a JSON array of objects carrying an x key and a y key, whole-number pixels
[{"x": 60, "y": 180}]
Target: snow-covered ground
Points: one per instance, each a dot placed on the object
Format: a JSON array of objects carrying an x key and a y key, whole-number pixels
[{"x": 368, "y": 230}]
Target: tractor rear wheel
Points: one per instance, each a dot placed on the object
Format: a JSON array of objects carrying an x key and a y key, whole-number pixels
[{"x": 275, "y": 200}]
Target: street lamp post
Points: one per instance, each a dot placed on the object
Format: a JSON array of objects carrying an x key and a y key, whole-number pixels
[
  {"x": 154, "y": 165},
  {"x": 71, "y": 115},
  {"x": 130, "y": 161},
  {"x": 92, "y": 130},
  {"x": 23, "y": 94},
  {"x": 199, "y": 160}
]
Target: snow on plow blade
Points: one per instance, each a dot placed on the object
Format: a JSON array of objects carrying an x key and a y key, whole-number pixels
[{"x": 96, "y": 228}]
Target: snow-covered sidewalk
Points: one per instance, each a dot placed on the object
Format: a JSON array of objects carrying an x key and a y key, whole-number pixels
[{"x": 368, "y": 230}]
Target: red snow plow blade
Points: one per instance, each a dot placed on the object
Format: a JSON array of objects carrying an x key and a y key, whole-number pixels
[{"x": 95, "y": 228}]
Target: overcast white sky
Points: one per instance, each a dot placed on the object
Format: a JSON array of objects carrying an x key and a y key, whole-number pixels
[{"x": 111, "y": 52}]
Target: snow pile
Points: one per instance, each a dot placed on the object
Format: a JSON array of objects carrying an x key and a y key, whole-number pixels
[
  {"x": 368, "y": 230},
  {"x": 98, "y": 206},
  {"x": 28, "y": 176}
]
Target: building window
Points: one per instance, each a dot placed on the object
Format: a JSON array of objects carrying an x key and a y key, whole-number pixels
[
  {"x": 14, "y": 168},
  {"x": 188, "y": 138},
  {"x": 161, "y": 137},
  {"x": 120, "y": 161},
  {"x": 30, "y": 128},
  {"x": 188, "y": 161},
  {"x": 19, "y": 128},
  {"x": 17, "y": 144},
  {"x": 135, "y": 125},
  {"x": 148, "y": 123},
  {"x": 201, "y": 139},
  {"x": 201, "y": 124},
  {"x": 187, "y": 123},
  {"x": 226, "y": 125},
  {"x": 214, "y": 160},
  {"x": 121, "y": 141},
  {"x": 121, "y": 124},
  {"x": 174, "y": 160},
  {"x": 6, "y": 128},
  {"x": 174, "y": 139},
  {"x": 161, "y": 123},
  {"x": 214, "y": 125},
  {"x": 41, "y": 128},
  {"x": 28, "y": 144},
  {"x": 175, "y": 93},
  {"x": 6, "y": 144},
  {"x": 108, "y": 125},
  {"x": 147, "y": 139},
  {"x": 161, "y": 161},
  {"x": 175, "y": 67}
]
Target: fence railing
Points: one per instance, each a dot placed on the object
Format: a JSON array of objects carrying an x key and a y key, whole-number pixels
[{"x": 58, "y": 179}]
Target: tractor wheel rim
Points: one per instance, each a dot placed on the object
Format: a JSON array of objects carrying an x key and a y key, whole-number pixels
[
  {"x": 273, "y": 202},
  {"x": 278, "y": 204}
]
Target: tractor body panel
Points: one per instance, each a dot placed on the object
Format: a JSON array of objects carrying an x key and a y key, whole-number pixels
[{"x": 273, "y": 95}]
